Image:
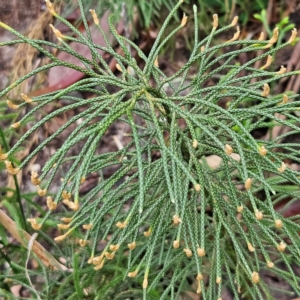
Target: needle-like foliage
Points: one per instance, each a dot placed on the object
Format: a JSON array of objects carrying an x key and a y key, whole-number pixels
[{"x": 186, "y": 220}]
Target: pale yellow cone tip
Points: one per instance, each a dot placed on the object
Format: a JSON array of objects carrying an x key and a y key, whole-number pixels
[
  {"x": 156, "y": 64},
  {"x": 176, "y": 244},
  {"x": 282, "y": 168},
  {"x": 98, "y": 259},
  {"x": 236, "y": 35},
  {"x": 65, "y": 195},
  {"x": 132, "y": 274},
  {"x": 266, "y": 90},
  {"x": 132, "y": 245},
  {"x": 50, "y": 7},
  {"x": 197, "y": 187},
  {"x": 121, "y": 224},
  {"x": 281, "y": 71},
  {"x": 215, "y": 21},
  {"x": 114, "y": 247},
  {"x": 66, "y": 220},
  {"x": 268, "y": 63},
  {"x": 147, "y": 233},
  {"x": 202, "y": 49},
  {"x": 255, "y": 277},
  {"x": 228, "y": 149},
  {"x": 94, "y": 15},
  {"x": 26, "y": 98},
  {"x": 3, "y": 156},
  {"x": 278, "y": 223},
  {"x": 200, "y": 252},
  {"x": 259, "y": 215},
  {"x": 99, "y": 266},
  {"x": 261, "y": 36},
  {"x": 34, "y": 224},
  {"x": 276, "y": 32},
  {"x": 87, "y": 226},
  {"x": 90, "y": 260},
  {"x": 250, "y": 247},
  {"x": 82, "y": 242},
  {"x": 51, "y": 204},
  {"x": 195, "y": 143},
  {"x": 270, "y": 264},
  {"x": 293, "y": 36},
  {"x": 57, "y": 33},
  {"x": 284, "y": 100},
  {"x": 63, "y": 226},
  {"x": 15, "y": 125},
  {"x": 248, "y": 184},
  {"x": 199, "y": 276},
  {"x": 11, "y": 105},
  {"x": 199, "y": 290},
  {"x": 176, "y": 220},
  {"x": 273, "y": 39},
  {"x": 82, "y": 180},
  {"x": 119, "y": 68},
  {"x": 109, "y": 255},
  {"x": 240, "y": 208},
  {"x": 188, "y": 252},
  {"x": 262, "y": 151},
  {"x": 41, "y": 192},
  {"x": 72, "y": 205},
  {"x": 234, "y": 21},
  {"x": 10, "y": 169},
  {"x": 66, "y": 202},
  {"x": 35, "y": 178},
  {"x": 145, "y": 283},
  {"x": 218, "y": 280},
  {"x": 281, "y": 247},
  {"x": 184, "y": 20}
]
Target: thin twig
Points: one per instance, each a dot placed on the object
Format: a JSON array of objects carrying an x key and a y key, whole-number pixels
[{"x": 22, "y": 237}]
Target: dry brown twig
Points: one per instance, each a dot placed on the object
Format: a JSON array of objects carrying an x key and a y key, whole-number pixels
[{"x": 23, "y": 238}]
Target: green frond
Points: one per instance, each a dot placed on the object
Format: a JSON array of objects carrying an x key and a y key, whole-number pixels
[{"x": 176, "y": 218}]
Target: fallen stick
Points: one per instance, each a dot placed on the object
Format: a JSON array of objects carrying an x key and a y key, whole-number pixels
[{"x": 22, "y": 237}]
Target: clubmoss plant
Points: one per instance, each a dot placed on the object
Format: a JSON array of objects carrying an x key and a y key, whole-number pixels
[{"x": 186, "y": 220}]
